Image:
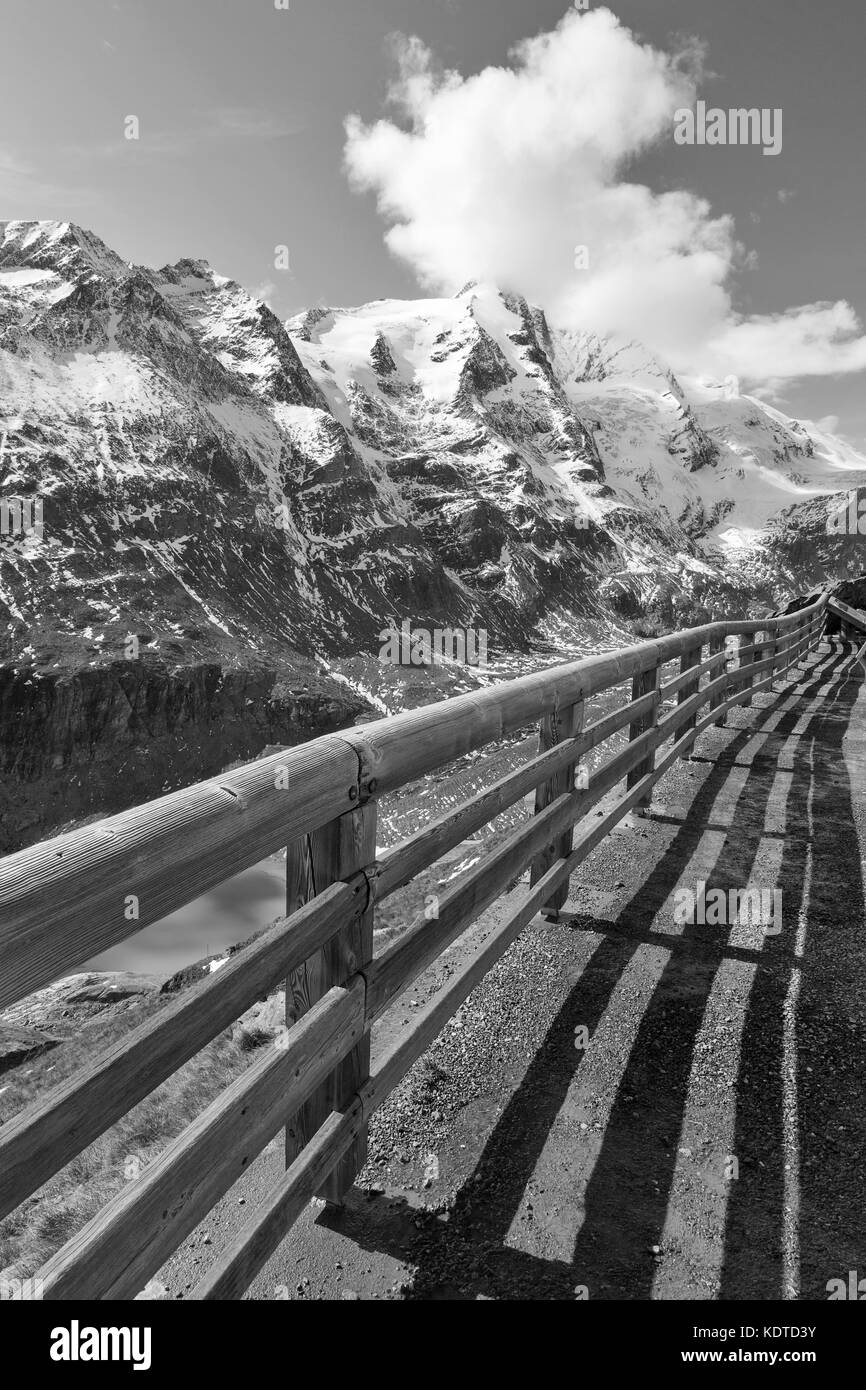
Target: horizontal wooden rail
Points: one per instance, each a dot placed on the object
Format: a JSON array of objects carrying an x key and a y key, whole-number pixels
[
  {"x": 405, "y": 746},
  {"x": 399, "y": 865},
  {"x": 129, "y": 1240},
  {"x": 688, "y": 677},
  {"x": 67, "y": 899},
  {"x": 746, "y": 626},
  {"x": 249, "y": 1250},
  {"x": 37, "y": 1143},
  {"x": 854, "y": 617},
  {"x": 427, "y": 937}
]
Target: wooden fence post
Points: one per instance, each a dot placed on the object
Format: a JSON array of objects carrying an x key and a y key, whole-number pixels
[
  {"x": 646, "y": 683},
  {"x": 340, "y": 849},
  {"x": 784, "y": 642},
  {"x": 689, "y": 659},
  {"x": 746, "y": 640},
  {"x": 554, "y": 729},
  {"x": 772, "y": 634},
  {"x": 758, "y": 653},
  {"x": 802, "y": 640},
  {"x": 718, "y": 644}
]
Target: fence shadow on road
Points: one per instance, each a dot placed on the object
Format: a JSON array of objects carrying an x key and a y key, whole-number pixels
[{"x": 800, "y": 1062}]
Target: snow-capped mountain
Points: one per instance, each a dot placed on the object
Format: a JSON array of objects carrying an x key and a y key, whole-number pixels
[
  {"x": 230, "y": 502},
  {"x": 563, "y": 471}
]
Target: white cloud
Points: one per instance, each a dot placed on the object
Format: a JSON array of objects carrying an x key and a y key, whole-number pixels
[
  {"x": 811, "y": 340},
  {"x": 502, "y": 174},
  {"x": 247, "y": 123}
]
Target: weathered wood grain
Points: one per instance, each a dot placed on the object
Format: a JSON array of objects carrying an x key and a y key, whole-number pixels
[
  {"x": 341, "y": 850},
  {"x": 560, "y": 727},
  {"x": 718, "y": 652},
  {"x": 691, "y": 679},
  {"x": 646, "y": 684}
]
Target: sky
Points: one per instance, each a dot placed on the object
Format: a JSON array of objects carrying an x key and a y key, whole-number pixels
[{"x": 401, "y": 147}]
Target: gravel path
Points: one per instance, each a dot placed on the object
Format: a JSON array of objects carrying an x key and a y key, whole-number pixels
[{"x": 630, "y": 1106}]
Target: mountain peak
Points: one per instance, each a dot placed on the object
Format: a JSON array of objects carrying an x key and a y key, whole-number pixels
[
  {"x": 485, "y": 289},
  {"x": 57, "y": 246},
  {"x": 191, "y": 273}
]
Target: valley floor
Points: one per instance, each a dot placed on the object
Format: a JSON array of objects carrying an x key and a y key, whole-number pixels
[{"x": 703, "y": 1138}]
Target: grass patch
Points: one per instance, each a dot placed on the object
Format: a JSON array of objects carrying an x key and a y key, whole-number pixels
[{"x": 40, "y": 1226}]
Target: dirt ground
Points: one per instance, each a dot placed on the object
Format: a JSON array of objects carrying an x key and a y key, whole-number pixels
[{"x": 633, "y": 1106}]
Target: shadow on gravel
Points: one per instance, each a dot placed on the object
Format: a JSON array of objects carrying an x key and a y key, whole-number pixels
[
  {"x": 822, "y": 883},
  {"x": 628, "y": 1193}
]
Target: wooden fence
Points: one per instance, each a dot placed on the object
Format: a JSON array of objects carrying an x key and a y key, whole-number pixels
[
  {"x": 851, "y": 620},
  {"x": 66, "y": 899}
]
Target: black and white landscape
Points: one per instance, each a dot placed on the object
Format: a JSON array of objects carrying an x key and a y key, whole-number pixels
[{"x": 612, "y": 391}]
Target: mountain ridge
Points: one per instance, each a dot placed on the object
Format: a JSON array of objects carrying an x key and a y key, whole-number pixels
[{"x": 234, "y": 508}]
